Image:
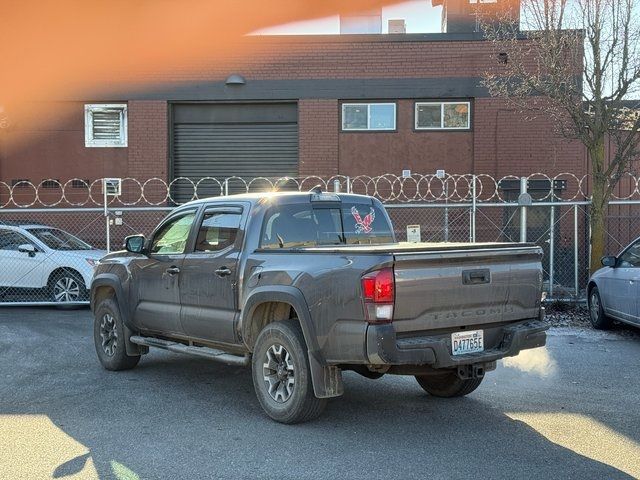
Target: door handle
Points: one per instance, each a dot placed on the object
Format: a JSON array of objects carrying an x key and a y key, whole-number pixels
[
  {"x": 476, "y": 277},
  {"x": 223, "y": 272},
  {"x": 172, "y": 270}
]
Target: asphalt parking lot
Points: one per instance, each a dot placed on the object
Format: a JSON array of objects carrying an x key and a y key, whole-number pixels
[{"x": 571, "y": 410}]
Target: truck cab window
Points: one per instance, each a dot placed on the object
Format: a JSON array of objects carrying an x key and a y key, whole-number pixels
[
  {"x": 291, "y": 226},
  {"x": 217, "y": 231},
  {"x": 172, "y": 237},
  {"x": 365, "y": 224}
]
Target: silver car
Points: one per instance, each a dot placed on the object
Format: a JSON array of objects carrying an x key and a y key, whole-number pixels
[{"x": 614, "y": 290}]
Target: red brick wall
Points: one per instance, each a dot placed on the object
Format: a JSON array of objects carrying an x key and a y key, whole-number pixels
[
  {"x": 506, "y": 142},
  {"x": 148, "y": 139},
  {"x": 376, "y": 153},
  {"x": 500, "y": 142},
  {"x": 310, "y": 57},
  {"x": 318, "y": 137},
  {"x": 55, "y": 148}
]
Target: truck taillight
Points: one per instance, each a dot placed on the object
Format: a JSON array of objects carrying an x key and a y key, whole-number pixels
[{"x": 378, "y": 292}]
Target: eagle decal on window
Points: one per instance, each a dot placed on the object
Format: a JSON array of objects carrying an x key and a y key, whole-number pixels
[{"x": 363, "y": 225}]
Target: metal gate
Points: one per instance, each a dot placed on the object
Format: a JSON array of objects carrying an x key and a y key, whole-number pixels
[{"x": 227, "y": 140}]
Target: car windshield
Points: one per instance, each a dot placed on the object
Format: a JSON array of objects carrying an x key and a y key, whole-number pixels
[{"x": 58, "y": 239}]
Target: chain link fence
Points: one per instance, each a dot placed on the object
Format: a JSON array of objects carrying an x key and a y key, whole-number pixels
[{"x": 52, "y": 234}]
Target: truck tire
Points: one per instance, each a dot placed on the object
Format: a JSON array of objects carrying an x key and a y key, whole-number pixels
[
  {"x": 282, "y": 376},
  {"x": 599, "y": 320},
  {"x": 448, "y": 385},
  {"x": 108, "y": 336}
]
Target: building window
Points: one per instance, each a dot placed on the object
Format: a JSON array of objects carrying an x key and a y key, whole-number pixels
[
  {"x": 105, "y": 125},
  {"x": 20, "y": 182},
  {"x": 51, "y": 183},
  {"x": 368, "y": 116},
  {"x": 443, "y": 115},
  {"x": 79, "y": 183}
]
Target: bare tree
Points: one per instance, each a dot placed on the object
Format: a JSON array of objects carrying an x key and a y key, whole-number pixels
[{"x": 578, "y": 63}]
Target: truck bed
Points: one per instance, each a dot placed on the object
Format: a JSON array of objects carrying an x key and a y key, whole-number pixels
[{"x": 453, "y": 285}]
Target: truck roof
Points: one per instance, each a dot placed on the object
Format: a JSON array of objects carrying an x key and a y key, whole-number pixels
[{"x": 256, "y": 197}]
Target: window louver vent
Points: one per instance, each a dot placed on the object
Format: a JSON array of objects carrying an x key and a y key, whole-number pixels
[{"x": 106, "y": 125}]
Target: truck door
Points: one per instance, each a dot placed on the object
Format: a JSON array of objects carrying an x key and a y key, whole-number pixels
[
  {"x": 208, "y": 280},
  {"x": 157, "y": 275}
]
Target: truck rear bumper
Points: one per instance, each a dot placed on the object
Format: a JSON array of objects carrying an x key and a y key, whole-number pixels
[{"x": 384, "y": 348}]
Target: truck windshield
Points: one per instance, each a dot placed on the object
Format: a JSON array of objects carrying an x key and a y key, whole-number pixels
[{"x": 290, "y": 226}]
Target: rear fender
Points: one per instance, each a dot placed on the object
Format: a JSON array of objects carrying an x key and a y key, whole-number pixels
[{"x": 327, "y": 380}]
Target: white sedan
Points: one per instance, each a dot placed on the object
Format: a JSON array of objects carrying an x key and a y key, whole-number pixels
[
  {"x": 37, "y": 260},
  {"x": 614, "y": 290}
]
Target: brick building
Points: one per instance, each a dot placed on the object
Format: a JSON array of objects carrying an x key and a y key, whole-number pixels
[{"x": 297, "y": 105}]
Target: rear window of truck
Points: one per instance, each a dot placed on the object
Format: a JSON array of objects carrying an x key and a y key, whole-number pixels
[{"x": 292, "y": 226}]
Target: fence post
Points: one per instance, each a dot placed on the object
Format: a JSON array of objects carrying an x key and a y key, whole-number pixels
[
  {"x": 446, "y": 211},
  {"x": 226, "y": 187},
  {"x": 587, "y": 219},
  {"x": 473, "y": 211},
  {"x": 552, "y": 248},
  {"x": 523, "y": 211},
  {"x": 575, "y": 249},
  {"x": 348, "y": 184},
  {"x": 106, "y": 214}
]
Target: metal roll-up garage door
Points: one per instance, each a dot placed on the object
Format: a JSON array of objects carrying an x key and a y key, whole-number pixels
[{"x": 226, "y": 140}]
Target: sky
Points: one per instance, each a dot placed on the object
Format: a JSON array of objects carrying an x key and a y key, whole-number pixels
[{"x": 419, "y": 15}]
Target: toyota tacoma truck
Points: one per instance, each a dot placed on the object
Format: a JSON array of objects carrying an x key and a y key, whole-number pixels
[{"x": 303, "y": 286}]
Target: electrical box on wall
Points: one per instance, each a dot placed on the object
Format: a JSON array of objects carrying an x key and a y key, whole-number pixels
[{"x": 113, "y": 186}]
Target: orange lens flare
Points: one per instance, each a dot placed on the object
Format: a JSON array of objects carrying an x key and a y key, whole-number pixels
[{"x": 53, "y": 49}]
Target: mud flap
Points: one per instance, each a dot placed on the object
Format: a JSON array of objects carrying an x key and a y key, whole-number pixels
[{"x": 327, "y": 379}]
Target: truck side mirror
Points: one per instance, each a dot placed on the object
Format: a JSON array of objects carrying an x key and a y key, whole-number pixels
[
  {"x": 134, "y": 243},
  {"x": 608, "y": 261},
  {"x": 27, "y": 248}
]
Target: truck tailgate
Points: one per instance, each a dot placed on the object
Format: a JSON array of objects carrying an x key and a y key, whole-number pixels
[{"x": 466, "y": 286}]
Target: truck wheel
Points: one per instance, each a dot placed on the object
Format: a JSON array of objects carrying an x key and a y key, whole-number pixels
[
  {"x": 282, "y": 376},
  {"x": 596, "y": 313},
  {"x": 448, "y": 385},
  {"x": 108, "y": 336}
]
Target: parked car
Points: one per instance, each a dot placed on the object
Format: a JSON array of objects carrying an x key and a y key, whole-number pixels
[
  {"x": 614, "y": 290},
  {"x": 302, "y": 286},
  {"x": 45, "y": 263}
]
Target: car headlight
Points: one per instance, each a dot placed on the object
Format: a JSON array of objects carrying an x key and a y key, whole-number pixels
[{"x": 93, "y": 262}]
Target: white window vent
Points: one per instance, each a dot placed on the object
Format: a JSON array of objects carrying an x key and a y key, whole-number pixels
[{"x": 105, "y": 125}]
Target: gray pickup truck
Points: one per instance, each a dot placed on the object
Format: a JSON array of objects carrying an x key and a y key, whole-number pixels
[{"x": 302, "y": 286}]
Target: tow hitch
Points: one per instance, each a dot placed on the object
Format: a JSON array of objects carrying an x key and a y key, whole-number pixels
[{"x": 466, "y": 372}]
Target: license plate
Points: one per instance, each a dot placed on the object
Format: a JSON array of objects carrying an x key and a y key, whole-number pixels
[{"x": 467, "y": 342}]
